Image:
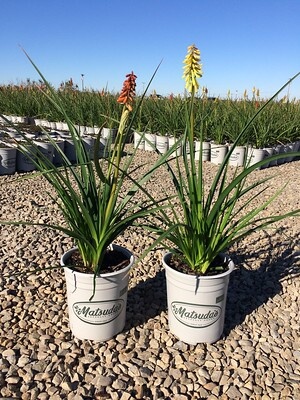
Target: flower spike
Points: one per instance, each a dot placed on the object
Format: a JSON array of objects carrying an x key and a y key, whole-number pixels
[
  {"x": 128, "y": 91},
  {"x": 192, "y": 69}
]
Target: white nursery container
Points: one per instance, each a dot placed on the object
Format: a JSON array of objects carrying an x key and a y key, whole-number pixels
[
  {"x": 205, "y": 150},
  {"x": 196, "y": 304},
  {"x": 104, "y": 315},
  {"x": 150, "y": 141},
  {"x": 237, "y": 156},
  {"x": 217, "y": 153},
  {"x": 162, "y": 143},
  {"x": 138, "y": 140}
]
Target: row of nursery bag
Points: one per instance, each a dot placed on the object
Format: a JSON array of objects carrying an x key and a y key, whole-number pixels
[
  {"x": 52, "y": 125},
  {"x": 12, "y": 160},
  {"x": 215, "y": 152}
]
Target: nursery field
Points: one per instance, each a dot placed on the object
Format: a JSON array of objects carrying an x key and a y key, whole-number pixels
[{"x": 219, "y": 120}]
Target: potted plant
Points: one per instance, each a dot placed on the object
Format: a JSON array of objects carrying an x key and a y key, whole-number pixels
[
  {"x": 138, "y": 135},
  {"x": 97, "y": 200},
  {"x": 169, "y": 114},
  {"x": 109, "y": 129},
  {"x": 218, "y": 146},
  {"x": 203, "y": 224},
  {"x": 204, "y": 122}
]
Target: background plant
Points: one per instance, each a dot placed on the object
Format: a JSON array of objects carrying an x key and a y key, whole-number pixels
[{"x": 218, "y": 119}]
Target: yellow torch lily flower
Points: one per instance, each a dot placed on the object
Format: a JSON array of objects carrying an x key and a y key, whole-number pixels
[{"x": 192, "y": 69}]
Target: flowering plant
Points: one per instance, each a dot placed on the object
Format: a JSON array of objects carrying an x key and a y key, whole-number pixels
[
  {"x": 97, "y": 198},
  {"x": 207, "y": 220}
]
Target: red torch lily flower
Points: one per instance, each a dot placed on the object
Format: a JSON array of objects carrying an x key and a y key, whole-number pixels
[{"x": 128, "y": 91}]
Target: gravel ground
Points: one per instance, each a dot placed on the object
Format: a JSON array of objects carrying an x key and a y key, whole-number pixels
[{"x": 258, "y": 356}]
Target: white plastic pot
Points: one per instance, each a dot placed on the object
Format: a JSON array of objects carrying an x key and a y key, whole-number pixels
[
  {"x": 109, "y": 134},
  {"x": 217, "y": 153},
  {"x": 90, "y": 130},
  {"x": 254, "y": 155},
  {"x": 268, "y": 153},
  {"x": 70, "y": 150},
  {"x": 57, "y": 156},
  {"x": 178, "y": 149},
  {"x": 46, "y": 148},
  {"x": 24, "y": 159},
  {"x": 150, "y": 141},
  {"x": 205, "y": 150},
  {"x": 89, "y": 145},
  {"x": 103, "y": 316},
  {"x": 8, "y": 156},
  {"x": 138, "y": 140},
  {"x": 64, "y": 126},
  {"x": 279, "y": 149},
  {"x": 196, "y": 304},
  {"x": 162, "y": 143},
  {"x": 237, "y": 156},
  {"x": 104, "y": 147},
  {"x": 288, "y": 148},
  {"x": 59, "y": 126}
]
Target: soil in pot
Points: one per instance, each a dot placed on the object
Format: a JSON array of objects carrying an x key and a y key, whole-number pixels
[
  {"x": 113, "y": 261},
  {"x": 218, "y": 266}
]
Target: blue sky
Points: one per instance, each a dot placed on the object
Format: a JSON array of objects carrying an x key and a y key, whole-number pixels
[{"x": 243, "y": 43}]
